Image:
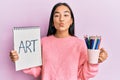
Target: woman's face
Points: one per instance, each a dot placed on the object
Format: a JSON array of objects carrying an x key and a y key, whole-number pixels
[{"x": 62, "y": 18}]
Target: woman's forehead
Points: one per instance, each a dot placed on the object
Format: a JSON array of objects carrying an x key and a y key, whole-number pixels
[{"x": 62, "y": 8}]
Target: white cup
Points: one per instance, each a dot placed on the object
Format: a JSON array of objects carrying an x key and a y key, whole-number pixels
[{"x": 93, "y": 56}]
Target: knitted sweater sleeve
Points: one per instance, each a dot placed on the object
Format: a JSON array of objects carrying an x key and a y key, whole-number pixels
[
  {"x": 86, "y": 70},
  {"x": 35, "y": 71}
]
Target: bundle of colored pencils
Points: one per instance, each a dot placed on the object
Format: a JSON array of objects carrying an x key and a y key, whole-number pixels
[{"x": 92, "y": 42}]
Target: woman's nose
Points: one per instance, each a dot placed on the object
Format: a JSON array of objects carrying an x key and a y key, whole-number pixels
[{"x": 61, "y": 18}]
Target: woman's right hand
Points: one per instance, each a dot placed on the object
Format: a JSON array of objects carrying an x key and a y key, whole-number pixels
[{"x": 14, "y": 55}]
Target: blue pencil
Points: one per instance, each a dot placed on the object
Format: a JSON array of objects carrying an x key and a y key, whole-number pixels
[
  {"x": 97, "y": 44},
  {"x": 87, "y": 42},
  {"x": 91, "y": 43}
]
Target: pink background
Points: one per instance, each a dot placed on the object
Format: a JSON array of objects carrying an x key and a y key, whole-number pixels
[{"x": 93, "y": 17}]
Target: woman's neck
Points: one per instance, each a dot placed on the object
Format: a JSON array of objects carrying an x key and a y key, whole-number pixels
[{"x": 62, "y": 34}]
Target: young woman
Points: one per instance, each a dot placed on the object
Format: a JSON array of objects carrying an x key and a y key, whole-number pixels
[{"x": 64, "y": 55}]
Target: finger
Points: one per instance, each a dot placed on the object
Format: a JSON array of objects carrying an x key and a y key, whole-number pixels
[
  {"x": 102, "y": 50},
  {"x": 103, "y": 53},
  {"x": 14, "y": 58},
  {"x": 12, "y": 53},
  {"x": 99, "y": 61},
  {"x": 102, "y": 57}
]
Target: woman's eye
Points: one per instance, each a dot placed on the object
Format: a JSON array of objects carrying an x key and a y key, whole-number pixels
[
  {"x": 66, "y": 15},
  {"x": 56, "y": 15}
]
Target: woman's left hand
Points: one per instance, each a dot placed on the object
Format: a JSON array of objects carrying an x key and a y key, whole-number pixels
[{"x": 103, "y": 55}]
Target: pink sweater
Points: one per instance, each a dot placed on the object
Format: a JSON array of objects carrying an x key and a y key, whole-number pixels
[{"x": 64, "y": 59}]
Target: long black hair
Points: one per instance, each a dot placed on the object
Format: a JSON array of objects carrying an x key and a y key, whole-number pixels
[{"x": 51, "y": 29}]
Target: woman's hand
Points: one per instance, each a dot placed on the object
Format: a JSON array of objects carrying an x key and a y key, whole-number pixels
[
  {"x": 103, "y": 55},
  {"x": 14, "y": 56}
]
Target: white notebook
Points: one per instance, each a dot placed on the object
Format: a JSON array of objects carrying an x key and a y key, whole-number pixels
[{"x": 28, "y": 46}]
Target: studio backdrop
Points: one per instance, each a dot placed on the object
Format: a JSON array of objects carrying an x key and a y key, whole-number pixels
[{"x": 92, "y": 17}]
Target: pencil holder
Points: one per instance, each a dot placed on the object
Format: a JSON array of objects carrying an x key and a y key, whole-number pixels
[{"x": 93, "y": 56}]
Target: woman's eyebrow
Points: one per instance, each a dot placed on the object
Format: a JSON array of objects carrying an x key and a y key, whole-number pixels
[
  {"x": 67, "y": 11},
  {"x": 56, "y": 12},
  {"x": 64, "y": 12}
]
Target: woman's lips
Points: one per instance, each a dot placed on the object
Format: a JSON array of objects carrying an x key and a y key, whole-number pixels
[{"x": 61, "y": 24}]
